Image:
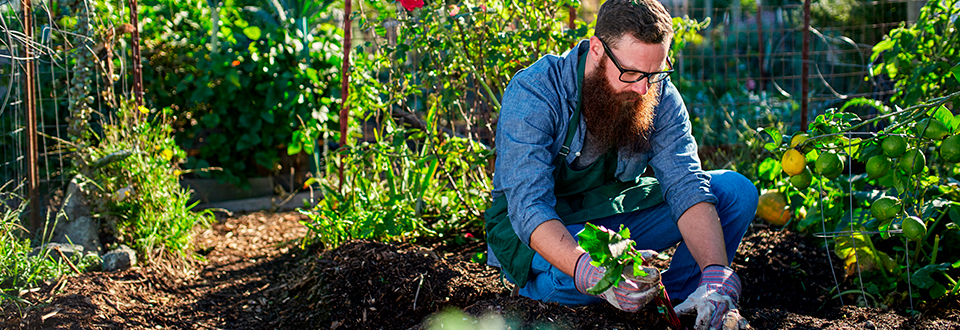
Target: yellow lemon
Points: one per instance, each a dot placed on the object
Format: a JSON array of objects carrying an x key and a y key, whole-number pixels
[{"x": 793, "y": 162}]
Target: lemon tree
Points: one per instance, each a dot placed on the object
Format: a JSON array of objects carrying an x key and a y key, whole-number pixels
[{"x": 896, "y": 183}]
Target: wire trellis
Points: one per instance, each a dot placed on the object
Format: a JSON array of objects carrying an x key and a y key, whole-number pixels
[{"x": 50, "y": 49}]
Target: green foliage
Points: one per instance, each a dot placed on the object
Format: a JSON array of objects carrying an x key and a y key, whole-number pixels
[
  {"x": 429, "y": 83},
  {"x": 920, "y": 60},
  {"x": 853, "y": 201},
  {"x": 134, "y": 183},
  {"x": 919, "y": 57},
  {"x": 239, "y": 96},
  {"x": 396, "y": 188},
  {"x": 19, "y": 270},
  {"x": 611, "y": 250}
]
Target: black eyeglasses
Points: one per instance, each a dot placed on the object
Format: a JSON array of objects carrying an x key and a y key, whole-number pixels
[{"x": 632, "y": 76}]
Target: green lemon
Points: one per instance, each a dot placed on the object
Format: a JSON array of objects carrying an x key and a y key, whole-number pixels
[
  {"x": 894, "y": 146},
  {"x": 912, "y": 161},
  {"x": 877, "y": 166},
  {"x": 802, "y": 181},
  {"x": 950, "y": 149},
  {"x": 829, "y": 165},
  {"x": 793, "y": 162},
  {"x": 935, "y": 130},
  {"x": 885, "y": 208},
  {"x": 913, "y": 228}
]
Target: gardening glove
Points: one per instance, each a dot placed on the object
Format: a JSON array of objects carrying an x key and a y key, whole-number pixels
[
  {"x": 632, "y": 293},
  {"x": 715, "y": 301}
]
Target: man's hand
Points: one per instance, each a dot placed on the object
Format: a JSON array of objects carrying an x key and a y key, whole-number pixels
[
  {"x": 715, "y": 301},
  {"x": 631, "y": 295}
]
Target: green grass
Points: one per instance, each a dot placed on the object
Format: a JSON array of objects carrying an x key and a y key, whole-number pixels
[{"x": 19, "y": 271}]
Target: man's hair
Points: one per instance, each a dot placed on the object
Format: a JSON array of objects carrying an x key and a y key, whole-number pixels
[{"x": 645, "y": 20}]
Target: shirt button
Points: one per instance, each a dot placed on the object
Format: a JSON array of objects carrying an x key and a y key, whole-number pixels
[{"x": 577, "y": 154}]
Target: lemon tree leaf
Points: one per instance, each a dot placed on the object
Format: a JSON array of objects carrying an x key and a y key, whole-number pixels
[
  {"x": 775, "y": 134},
  {"x": 769, "y": 169}
]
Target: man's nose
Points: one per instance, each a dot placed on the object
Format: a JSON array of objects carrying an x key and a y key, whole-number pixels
[{"x": 640, "y": 87}]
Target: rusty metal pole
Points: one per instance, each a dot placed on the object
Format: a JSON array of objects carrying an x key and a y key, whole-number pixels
[
  {"x": 805, "y": 66},
  {"x": 33, "y": 177},
  {"x": 763, "y": 75},
  {"x": 137, "y": 66},
  {"x": 345, "y": 83}
]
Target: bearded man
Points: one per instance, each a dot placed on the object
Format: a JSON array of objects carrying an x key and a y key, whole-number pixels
[{"x": 575, "y": 134}]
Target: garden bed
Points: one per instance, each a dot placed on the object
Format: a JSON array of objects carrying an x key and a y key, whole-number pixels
[{"x": 255, "y": 276}]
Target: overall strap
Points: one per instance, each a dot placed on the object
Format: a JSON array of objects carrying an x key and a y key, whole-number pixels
[{"x": 575, "y": 119}]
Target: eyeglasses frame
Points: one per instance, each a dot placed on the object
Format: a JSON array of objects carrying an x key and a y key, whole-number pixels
[{"x": 643, "y": 75}]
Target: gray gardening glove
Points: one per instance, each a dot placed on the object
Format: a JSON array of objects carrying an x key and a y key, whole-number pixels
[{"x": 715, "y": 301}]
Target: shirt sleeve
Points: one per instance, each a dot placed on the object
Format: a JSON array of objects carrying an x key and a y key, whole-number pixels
[
  {"x": 675, "y": 161},
  {"x": 526, "y": 130}
]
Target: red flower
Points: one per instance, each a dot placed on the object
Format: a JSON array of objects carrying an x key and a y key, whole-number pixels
[
  {"x": 454, "y": 10},
  {"x": 411, "y": 4},
  {"x": 235, "y": 63}
]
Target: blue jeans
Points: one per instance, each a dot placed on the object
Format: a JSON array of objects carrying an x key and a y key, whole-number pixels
[{"x": 652, "y": 230}]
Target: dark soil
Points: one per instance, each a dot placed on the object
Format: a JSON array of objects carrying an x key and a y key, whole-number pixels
[{"x": 256, "y": 276}]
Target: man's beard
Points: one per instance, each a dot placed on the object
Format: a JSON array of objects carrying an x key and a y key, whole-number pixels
[{"x": 623, "y": 119}]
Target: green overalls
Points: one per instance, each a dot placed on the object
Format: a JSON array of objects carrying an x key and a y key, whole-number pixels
[{"x": 582, "y": 195}]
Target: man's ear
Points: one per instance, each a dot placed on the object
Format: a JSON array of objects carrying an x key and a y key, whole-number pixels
[{"x": 596, "y": 49}]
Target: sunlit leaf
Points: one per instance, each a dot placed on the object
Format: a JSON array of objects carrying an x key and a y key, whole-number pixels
[
  {"x": 252, "y": 32},
  {"x": 770, "y": 169}
]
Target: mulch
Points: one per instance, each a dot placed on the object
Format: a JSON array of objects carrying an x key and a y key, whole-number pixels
[{"x": 256, "y": 275}]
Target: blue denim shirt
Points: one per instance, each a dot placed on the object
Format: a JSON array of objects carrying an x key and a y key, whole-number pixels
[{"x": 537, "y": 106}]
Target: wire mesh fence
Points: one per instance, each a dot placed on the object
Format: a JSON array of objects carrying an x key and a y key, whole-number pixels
[
  {"x": 36, "y": 67},
  {"x": 752, "y": 56}
]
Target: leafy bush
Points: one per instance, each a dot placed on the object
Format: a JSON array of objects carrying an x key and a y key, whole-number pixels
[
  {"x": 134, "y": 183},
  {"x": 919, "y": 58},
  {"x": 239, "y": 96},
  {"x": 430, "y": 80}
]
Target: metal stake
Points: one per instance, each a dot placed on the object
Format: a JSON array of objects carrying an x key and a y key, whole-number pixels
[
  {"x": 137, "y": 66},
  {"x": 33, "y": 177}
]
